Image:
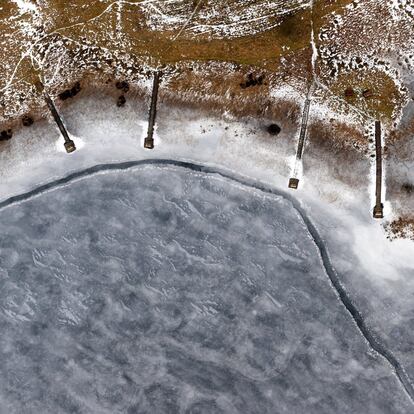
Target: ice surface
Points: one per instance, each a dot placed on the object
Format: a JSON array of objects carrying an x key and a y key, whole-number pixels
[{"x": 163, "y": 290}]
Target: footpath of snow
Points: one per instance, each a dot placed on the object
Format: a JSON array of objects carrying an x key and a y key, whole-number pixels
[{"x": 378, "y": 273}]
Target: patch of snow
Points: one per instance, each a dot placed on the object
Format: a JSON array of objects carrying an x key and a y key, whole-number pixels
[{"x": 26, "y": 6}]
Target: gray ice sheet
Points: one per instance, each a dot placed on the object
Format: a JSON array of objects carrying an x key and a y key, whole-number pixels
[{"x": 162, "y": 290}]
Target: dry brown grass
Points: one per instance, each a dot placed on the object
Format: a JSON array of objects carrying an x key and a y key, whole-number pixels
[
  {"x": 404, "y": 132},
  {"x": 385, "y": 99},
  {"x": 218, "y": 90},
  {"x": 337, "y": 146},
  {"x": 263, "y": 49},
  {"x": 324, "y": 8},
  {"x": 358, "y": 53},
  {"x": 337, "y": 136}
]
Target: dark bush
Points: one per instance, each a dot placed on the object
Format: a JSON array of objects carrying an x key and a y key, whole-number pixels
[
  {"x": 121, "y": 101},
  {"x": 123, "y": 86},
  {"x": 252, "y": 80},
  {"x": 273, "y": 129},
  {"x": 408, "y": 188},
  {"x": 70, "y": 93},
  {"x": 6, "y": 135},
  {"x": 27, "y": 121}
]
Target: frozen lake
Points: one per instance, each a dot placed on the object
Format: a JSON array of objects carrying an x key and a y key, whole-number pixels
[{"x": 159, "y": 289}]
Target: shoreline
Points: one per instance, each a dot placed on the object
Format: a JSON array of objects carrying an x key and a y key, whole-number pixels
[{"x": 283, "y": 111}]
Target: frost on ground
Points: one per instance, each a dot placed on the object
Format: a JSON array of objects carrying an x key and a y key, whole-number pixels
[{"x": 158, "y": 290}]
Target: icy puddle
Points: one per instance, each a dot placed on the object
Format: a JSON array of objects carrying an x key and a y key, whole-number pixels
[{"x": 163, "y": 290}]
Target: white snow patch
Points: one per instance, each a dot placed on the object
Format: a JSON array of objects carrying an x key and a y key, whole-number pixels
[
  {"x": 26, "y": 6},
  {"x": 379, "y": 256}
]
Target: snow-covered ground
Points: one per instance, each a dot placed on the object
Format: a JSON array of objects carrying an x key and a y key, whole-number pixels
[{"x": 378, "y": 274}]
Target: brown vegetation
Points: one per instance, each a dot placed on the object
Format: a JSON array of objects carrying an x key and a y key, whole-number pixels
[
  {"x": 404, "y": 132},
  {"x": 337, "y": 136},
  {"x": 403, "y": 228}
]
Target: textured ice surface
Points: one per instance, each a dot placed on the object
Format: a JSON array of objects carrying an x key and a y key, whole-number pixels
[{"x": 162, "y": 290}]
